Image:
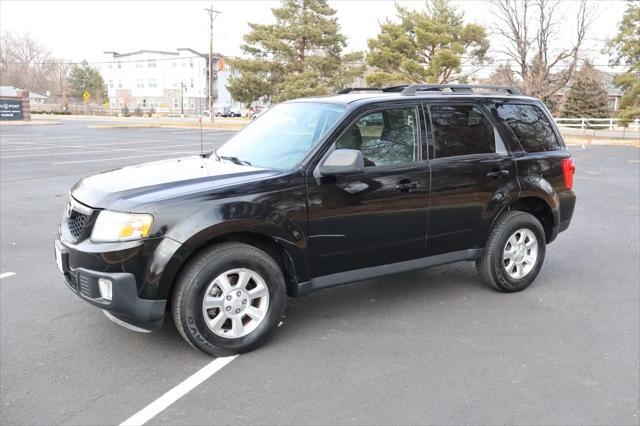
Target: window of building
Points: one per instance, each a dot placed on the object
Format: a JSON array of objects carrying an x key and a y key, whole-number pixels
[
  {"x": 176, "y": 104},
  {"x": 111, "y": 84},
  {"x": 384, "y": 137},
  {"x": 119, "y": 65},
  {"x": 191, "y": 63},
  {"x": 152, "y": 82},
  {"x": 183, "y": 63},
  {"x": 191, "y": 82},
  {"x": 140, "y": 83},
  {"x": 138, "y": 64},
  {"x": 120, "y": 84},
  {"x": 530, "y": 127},
  {"x": 151, "y": 64},
  {"x": 461, "y": 130}
]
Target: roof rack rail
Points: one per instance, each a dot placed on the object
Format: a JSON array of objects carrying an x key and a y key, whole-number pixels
[
  {"x": 399, "y": 88},
  {"x": 411, "y": 89},
  {"x": 359, "y": 89}
]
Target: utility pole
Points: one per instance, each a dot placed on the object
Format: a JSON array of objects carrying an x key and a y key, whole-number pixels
[
  {"x": 212, "y": 16},
  {"x": 183, "y": 87}
]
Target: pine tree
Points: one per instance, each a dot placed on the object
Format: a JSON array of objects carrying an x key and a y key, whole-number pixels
[
  {"x": 300, "y": 55},
  {"x": 587, "y": 97},
  {"x": 626, "y": 50},
  {"x": 84, "y": 78},
  {"x": 425, "y": 46}
]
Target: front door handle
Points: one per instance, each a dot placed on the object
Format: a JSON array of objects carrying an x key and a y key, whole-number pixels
[
  {"x": 497, "y": 174},
  {"x": 406, "y": 186}
]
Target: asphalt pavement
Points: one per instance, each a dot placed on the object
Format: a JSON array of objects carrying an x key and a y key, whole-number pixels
[{"x": 428, "y": 347}]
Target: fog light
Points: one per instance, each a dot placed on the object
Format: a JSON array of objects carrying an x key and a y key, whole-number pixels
[{"x": 105, "y": 288}]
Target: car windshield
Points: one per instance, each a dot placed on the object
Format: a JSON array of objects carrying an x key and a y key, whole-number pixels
[{"x": 282, "y": 136}]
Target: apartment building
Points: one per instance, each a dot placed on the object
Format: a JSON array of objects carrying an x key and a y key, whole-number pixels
[{"x": 163, "y": 81}]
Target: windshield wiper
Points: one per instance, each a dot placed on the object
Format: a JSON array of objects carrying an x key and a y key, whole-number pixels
[{"x": 234, "y": 160}]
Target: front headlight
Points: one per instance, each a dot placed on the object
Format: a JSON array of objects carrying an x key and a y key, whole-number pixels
[{"x": 115, "y": 226}]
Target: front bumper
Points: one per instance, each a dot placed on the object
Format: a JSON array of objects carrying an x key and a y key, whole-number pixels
[{"x": 125, "y": 304}]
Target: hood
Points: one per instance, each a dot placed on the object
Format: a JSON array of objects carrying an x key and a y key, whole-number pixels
[{"x": 149, "y": 182}]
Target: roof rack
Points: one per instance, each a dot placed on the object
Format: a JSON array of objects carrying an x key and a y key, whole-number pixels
[
  {"x": 411, "y": 89},
  {"x": 359, "y": 89}
]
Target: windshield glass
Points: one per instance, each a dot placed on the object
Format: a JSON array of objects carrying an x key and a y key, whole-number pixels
[{"x": 282, "y": 136}]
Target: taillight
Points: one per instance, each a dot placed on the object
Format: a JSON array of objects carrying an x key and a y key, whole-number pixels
[{"x": 568, "y": 170}]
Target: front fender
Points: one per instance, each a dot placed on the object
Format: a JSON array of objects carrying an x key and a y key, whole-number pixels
[{"x": 205, "y": 226}]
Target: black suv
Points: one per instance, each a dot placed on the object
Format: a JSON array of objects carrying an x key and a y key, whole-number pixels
[{"x": 315, "y": 193}]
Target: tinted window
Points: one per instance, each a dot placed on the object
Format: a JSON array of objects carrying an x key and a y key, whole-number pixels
[
  {"x": 461, "y": 130},
  {"x": 530, "y": 126},
  {"x": 384, "y": 137}
]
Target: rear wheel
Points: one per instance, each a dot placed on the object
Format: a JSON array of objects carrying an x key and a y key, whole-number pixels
[
  {"x": 514, "y": 252},
  {"x": 229, "y": 299}
]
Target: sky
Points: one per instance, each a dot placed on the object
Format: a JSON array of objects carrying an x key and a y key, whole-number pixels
[{"x": 77, "y": 30}]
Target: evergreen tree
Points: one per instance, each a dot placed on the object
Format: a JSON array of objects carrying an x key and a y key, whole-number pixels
[
  {"x": 300, "y": 55},
  {"x": 626, "y": 47},
  {"x": 86, "y": 78},
  {"x": 426, "y": 46},
  {"x": 587, "y": 97}
]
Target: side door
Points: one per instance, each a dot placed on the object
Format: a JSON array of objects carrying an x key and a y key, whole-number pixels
[
  {"x": 472, "y": 175},
  {"x": 378, "y": 216}
]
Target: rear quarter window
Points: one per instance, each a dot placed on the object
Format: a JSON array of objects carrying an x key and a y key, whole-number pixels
[{"x": 530, "y": 127}]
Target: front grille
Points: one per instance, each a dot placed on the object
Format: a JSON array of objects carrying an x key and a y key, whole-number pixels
[{"x": 76, "y": 222}]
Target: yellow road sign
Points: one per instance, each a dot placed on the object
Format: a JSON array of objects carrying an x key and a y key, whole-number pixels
[{"x": 86, "y": 96}]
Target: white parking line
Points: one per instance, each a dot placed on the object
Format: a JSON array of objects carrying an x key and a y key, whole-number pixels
[
  {"x": 160, "y": 404},
  {"x": 100, "y": 150},
  {"x": 7, "y": 274},
  {"x": 158, "y": 154},
  {"x": 43, "y": 145}
]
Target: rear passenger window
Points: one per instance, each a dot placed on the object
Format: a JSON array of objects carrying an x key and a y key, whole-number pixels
[
  {"x": 461, "y": 130},
  {"x": 530, "y": 127}
]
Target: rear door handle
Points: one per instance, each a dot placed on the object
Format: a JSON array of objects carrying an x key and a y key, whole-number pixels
[
  {"x": 497, "y": 174},
  {"x": 406, "y": 186}
]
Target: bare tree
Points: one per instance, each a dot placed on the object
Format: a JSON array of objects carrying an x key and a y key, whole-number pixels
[
  {"x": 26, "y": 64},
  {"x": 530, "y": 28}
]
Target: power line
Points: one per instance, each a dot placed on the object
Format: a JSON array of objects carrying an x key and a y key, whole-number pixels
[{"x": 53, "y": 62}]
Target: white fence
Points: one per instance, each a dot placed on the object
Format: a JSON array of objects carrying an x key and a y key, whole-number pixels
[{"x": 596, "y": 123}]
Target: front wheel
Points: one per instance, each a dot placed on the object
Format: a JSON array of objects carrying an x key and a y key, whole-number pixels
[
  {"x": 229, "y": 299},
  {"x": 514, "y": 252}
]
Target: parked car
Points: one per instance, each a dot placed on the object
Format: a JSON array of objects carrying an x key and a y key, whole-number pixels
[
  {"x": 228, "y": 112},
  {"x": 315, "y": 193}
]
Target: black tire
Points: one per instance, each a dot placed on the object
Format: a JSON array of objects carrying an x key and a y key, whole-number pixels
[
  {"x": 196, "y": 278},
  {"x": 491, "y": 267}
]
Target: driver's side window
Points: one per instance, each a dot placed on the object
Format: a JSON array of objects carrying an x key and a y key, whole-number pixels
[{"x": 384, "y": 137}]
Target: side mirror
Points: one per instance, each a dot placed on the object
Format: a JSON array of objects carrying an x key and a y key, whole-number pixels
[{"x": 343, "y": 162}]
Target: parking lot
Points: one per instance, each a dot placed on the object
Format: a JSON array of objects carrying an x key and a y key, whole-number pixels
[{"x": 426, "y": 347}]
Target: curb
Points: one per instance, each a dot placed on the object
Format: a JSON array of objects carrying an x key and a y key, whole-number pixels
[
  {"x": 27, "y": 123},
  {"x": 602, "y": 141},
  {"x": 194, "y": 126}
]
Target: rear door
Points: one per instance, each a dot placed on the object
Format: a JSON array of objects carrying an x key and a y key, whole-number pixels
[{"x": 471, "y": 174}]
